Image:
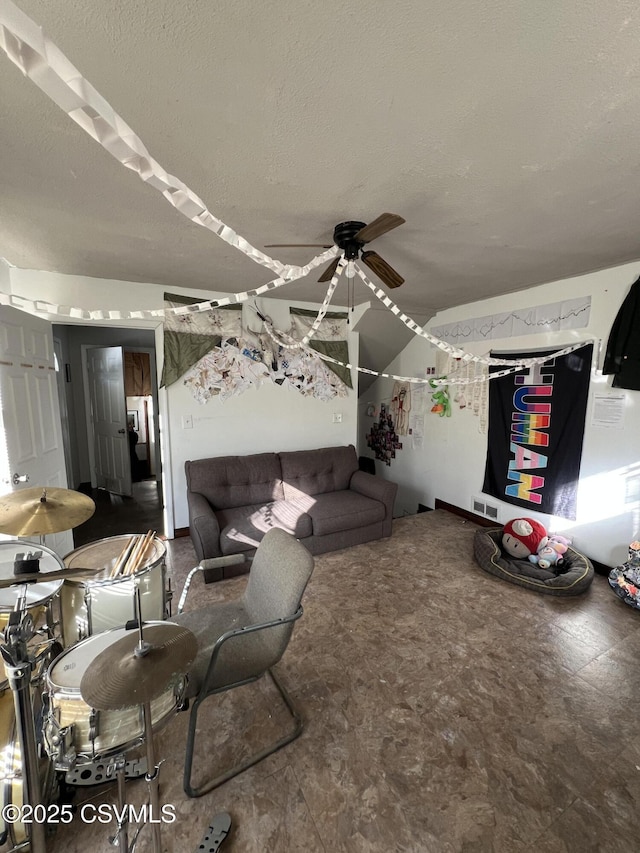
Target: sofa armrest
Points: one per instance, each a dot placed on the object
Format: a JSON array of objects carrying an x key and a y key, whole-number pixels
[
  {"x": 203, "y": 527},
  {"x": 379, "y": 490}
]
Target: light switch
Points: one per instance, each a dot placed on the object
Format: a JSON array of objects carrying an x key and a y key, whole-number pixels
[{"x": 337, "y": 417}]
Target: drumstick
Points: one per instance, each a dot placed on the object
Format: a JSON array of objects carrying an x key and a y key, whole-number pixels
[
  {"x": 151, "y": 534},
  {"x": 137, "y": 559},
  {"x": 148, "y": 542},
  {"x": 133, "y": 557},
  {"x": 124, "y": 556}
]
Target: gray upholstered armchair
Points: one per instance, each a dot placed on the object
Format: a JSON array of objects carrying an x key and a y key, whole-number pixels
[{"x": 241, "y": 640}]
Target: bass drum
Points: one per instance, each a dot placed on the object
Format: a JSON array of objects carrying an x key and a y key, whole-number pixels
[
  {"x": 90, "y": 607},
  {"x": 11, "y": 770}
]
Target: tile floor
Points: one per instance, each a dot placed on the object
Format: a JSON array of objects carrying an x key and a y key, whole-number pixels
[
  {"x": 446, "y": 712},
  {"x": 115, "y": 514}
]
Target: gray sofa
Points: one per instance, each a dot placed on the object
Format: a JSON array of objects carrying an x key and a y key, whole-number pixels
[{"x": 320, "y": 496}]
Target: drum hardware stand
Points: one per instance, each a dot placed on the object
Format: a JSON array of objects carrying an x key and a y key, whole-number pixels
[
  {"x": 169, "y": 597},
  {"x": 19, "y": 667},
  {"x": 87, "y": 604},
  {"x": 120, "y": 838},
  {"x": 59, "y": 743},
  {"x": 153, "y": 769},
  {"x": 216, "y": 834},
  {"x": 133, "y": 673},
  {"x": 84, "y": 775}
]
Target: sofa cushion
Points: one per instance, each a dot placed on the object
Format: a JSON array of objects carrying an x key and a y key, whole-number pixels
[
  {"x": 337, "y": 511},
  {"x": 242, "y": 528},
  {"x": 232, "y": 481},
  {"x": 316, "y": 472}
]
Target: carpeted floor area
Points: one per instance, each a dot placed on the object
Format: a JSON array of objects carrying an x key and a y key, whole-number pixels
[{"x": 446, "y": 712}]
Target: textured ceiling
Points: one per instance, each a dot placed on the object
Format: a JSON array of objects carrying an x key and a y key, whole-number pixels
[{"x": 504, "y": 131}]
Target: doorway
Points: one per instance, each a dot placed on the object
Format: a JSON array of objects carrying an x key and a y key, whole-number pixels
[{"x": 115, "y": 514}]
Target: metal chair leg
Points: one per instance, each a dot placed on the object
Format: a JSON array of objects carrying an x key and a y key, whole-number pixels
[{"x": 249, "y": 762}]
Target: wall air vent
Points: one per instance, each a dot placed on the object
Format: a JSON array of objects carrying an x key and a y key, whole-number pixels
[
  {"x": 477, "y": 505},
  {"x": 481, "y": 507}
]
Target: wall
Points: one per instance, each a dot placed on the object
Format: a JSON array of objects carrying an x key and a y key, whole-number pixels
[
  {"x": 451, "y": 464},
  {"x": 269, "y": 419},
  {"x": 5, "y": 276}
]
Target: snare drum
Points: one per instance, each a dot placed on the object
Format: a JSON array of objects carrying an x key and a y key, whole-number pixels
[
  {"x": 89, "y": 607},
  {"x": 96, "y": 734}
]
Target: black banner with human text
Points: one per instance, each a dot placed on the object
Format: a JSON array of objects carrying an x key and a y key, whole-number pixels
[{"x": 536, "y": 428}]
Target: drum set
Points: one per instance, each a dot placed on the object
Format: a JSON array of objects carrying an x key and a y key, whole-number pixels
[{"x": 89, "y": 667}]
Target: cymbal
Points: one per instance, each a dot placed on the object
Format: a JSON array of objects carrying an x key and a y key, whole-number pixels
[
  {"x": 41, "y": 510},
  {"x": 117, "y": 679},
  {"x": 44, "y": 577}
]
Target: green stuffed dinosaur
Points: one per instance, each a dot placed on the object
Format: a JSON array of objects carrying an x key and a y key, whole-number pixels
[{"x": 440, "y": 399}]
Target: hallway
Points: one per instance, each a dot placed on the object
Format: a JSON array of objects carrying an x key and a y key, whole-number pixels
[{"x": 116, "y": 514}]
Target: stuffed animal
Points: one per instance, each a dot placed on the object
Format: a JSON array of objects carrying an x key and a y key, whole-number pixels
[
  {"x": 522, "y": 537},
  {"x": 440, "y": 399},
  {"x": 552, "y": 553},
  {"x": 547, "y": 557}
]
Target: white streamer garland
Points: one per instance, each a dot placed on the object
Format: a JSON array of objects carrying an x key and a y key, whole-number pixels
[
  {"x": 326, "y": 302},
  {"x": 288, "y": 342},
  {"x": 41, "y": 306},
  {"x": 38, "y": 58},
  {"x": 456, "y": 352}
]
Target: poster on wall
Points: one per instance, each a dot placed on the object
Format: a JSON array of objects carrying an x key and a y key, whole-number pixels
[{"x": 536, "y": 428}]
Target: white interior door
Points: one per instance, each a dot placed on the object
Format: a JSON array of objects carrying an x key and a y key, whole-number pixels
[
  {"x": 108, "y": 405},
  {"x": 30, "y": 430}
]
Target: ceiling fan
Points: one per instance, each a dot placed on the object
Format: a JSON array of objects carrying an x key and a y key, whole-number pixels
[{"x": 351, "y": 237}]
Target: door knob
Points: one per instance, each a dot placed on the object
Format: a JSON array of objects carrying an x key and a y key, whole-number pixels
[
  {"x": 19, "y": 478},
  {"x": 122, "y": 431}
]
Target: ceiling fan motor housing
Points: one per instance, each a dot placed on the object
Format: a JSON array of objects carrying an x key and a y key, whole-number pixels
[{"x": 344, "y": 237}]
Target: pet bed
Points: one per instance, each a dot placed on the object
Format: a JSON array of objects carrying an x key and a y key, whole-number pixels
[
  {"x": 625, "y": 582},
  {"x": 572, "y": 577}
]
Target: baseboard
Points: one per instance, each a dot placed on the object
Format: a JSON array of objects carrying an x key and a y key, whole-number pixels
[
  {"x": 465, "y": 513},
  {"x": 598, "y": 567},
  {"x": 180, "y": 531}
]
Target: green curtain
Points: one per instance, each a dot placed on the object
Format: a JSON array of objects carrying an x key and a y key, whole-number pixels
[
  {"x": 330, "y": 339},
  {"x": 188, "y": 337}
]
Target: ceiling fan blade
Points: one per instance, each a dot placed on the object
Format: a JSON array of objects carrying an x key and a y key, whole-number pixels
[
  {"x": 328, "y": 274},
  {"x": 296, "y": 245},
  {"x": 382, "y": 269},
  {"x": 385, "y": 222}
]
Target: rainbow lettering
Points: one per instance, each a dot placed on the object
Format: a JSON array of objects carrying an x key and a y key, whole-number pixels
[
  {"x": 524, "y": 489},
  {"x": 530, "y": 422}
]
